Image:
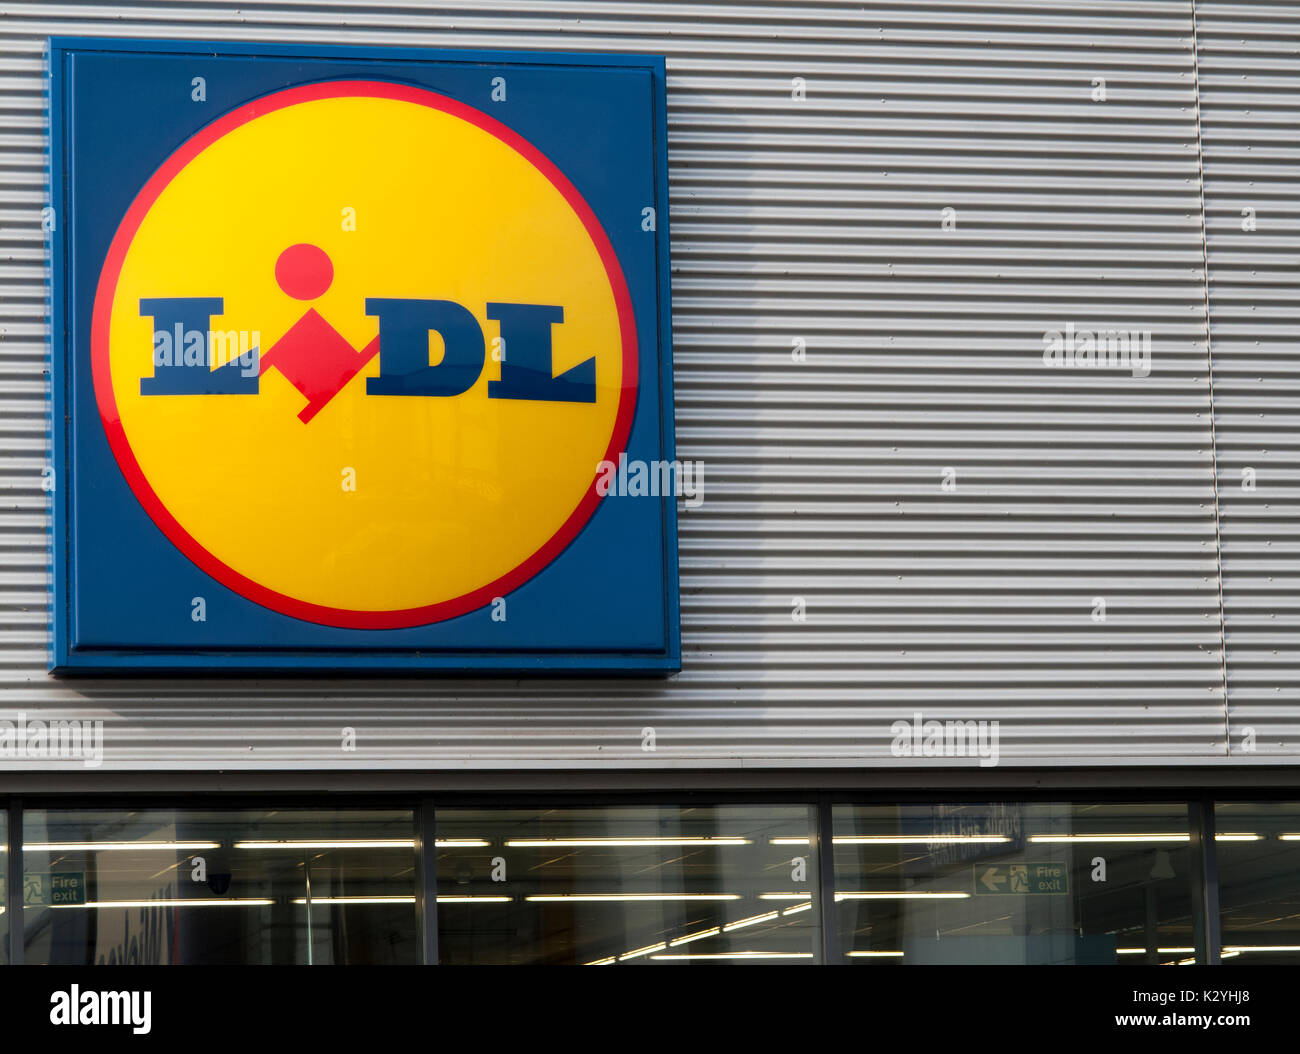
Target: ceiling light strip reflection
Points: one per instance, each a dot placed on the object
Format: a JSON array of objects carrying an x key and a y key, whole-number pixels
[
  {"x": 1237, "y": 949},
  {"x": 601, "y": 843},
  {"x": 903, "y": 895},
  {"x": 109, "y": 847},
  {"x": 1159, "y": 951},
  {"x": 899, "y": 839},
  {"x": 1062, "y": 838},
  {"x": 217, "y": 902},
  {"x": 695, "y": 937},
  {"x": 549, "y": 898},
  {"x": 735, "y": 955},
  {"x": 334, "y": 843},
  {"x": 642, "y": 951},
  {"x": 740, "y": 924}
]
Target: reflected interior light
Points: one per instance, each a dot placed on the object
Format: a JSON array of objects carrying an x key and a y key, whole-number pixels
[
  {"x": 470, "y": 898},
  {"x": 1225, "y": 837},
  {"x": 875, "y": 955},
  {"x": 737, "y": 955},
  {"x": 603, "y": 962},
  {"x": 785, "y": 896},
  {"x": 196, "y": 902},
  {"x": 914, "y": 839},
  {"x": 797, "y": 907},
  {"x": 1049, "y": 838},
  {"x": 358, "y": 900},
  {"x": 903, "y": 895},
  {"x": 1159, "y": 951},
  {"x": 597, "y": 843},
  {"x": 109, "y": 847},
  {"x": 753, "y": 919},
  {"x": 694, "y": 937},
  {"x": 642, "y": 951},
  {"x": 599, "y": 897},
  {"x": 1237, "y": 949},
  {"x": 335, "y": 843},
  {"x": 897, "y": 839}
]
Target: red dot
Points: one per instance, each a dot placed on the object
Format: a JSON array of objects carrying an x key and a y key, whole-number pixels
[{"x": 304, "y": 271}]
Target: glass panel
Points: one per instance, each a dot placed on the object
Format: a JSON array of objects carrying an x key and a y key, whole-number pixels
[
  {"x": 651, "y": 885},
  {"x": 1013, "y": 883},
  {"x": 4, "y": 889},
  {"x": 1259, "y": 882},
  {"x": 219, "y": 886}
]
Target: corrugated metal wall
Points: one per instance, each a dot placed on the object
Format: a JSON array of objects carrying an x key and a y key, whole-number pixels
[
  {"x": 952, "y": 511},
  {"x": 1249, "y": 60}
]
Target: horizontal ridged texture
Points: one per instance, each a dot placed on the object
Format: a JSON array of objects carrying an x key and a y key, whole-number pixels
[
  {"x": 1249, "y": 62},
  {"x": 813, "y": 221}
]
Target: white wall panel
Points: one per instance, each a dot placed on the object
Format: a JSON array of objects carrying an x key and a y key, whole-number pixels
[{"x": 816, "y": 220}]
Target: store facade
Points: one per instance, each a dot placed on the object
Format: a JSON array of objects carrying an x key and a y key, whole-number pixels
[{"x": 983, "y": 339}]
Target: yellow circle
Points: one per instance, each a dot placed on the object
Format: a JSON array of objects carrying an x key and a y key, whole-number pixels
[{"x": 377, "y": 503}]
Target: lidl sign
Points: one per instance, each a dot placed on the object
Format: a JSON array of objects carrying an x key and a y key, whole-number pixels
[{"x": 345, "y": 345}]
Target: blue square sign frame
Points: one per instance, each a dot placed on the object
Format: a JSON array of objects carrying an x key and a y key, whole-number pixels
[{"x": 122, "y": 590}]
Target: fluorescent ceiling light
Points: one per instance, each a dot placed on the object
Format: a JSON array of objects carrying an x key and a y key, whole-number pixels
[
  {"x": 642, "y": 951},
  {"x": 108, "y": 847},
  {"x": 196, "y": 902},
  {"x": 336, "y": 843},
  {"x": 899, "y": 839},
  {"x": 797, "y": 907},
  {"x": 357, "y": 900},
  {"x": 785, "y": 896},
  {"x": 875, "y": 955},
  {"x": 901, "y": 896},
  {"x": 694, "y": 937},
  {"x": 1042, "y": 838},
  {"x": 1159, "y": 951},
  {"x": 586, "y": 843},
  {"x": 916, "y": 839},
  {"x": 738, "y": 955},
  {"x": 600, "y": 897},
  {"x": 1238, "y": 948},
  {"x": 742, "y": 923},
  {"x": 1046, "y": 838}
]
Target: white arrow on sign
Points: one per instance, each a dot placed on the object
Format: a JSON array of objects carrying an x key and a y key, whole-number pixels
[{"x": 991, "y": 879}]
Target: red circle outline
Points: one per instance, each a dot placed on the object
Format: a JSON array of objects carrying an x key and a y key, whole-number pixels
[{"x": 320, "y": 614}]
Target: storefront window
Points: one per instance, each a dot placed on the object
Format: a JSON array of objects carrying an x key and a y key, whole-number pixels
[
  {"x": 4, "y": 878},
  {"x": 1037, "y": 883},
  {"x": 219, "y": 886},
  {"x": 645, "y": 885},
  {"x": 1259, "y": 882}
]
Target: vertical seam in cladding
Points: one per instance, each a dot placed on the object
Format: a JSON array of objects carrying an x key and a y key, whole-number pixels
[{"x": 1209, "y": 383}]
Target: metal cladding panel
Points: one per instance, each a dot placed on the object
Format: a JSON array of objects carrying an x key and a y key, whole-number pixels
[
  {"x": 862, "y": 374},
  {"x": 1249, "y": 60}
]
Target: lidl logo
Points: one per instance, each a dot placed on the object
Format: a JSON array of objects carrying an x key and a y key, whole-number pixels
[{"x": 356, "y": 348}]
